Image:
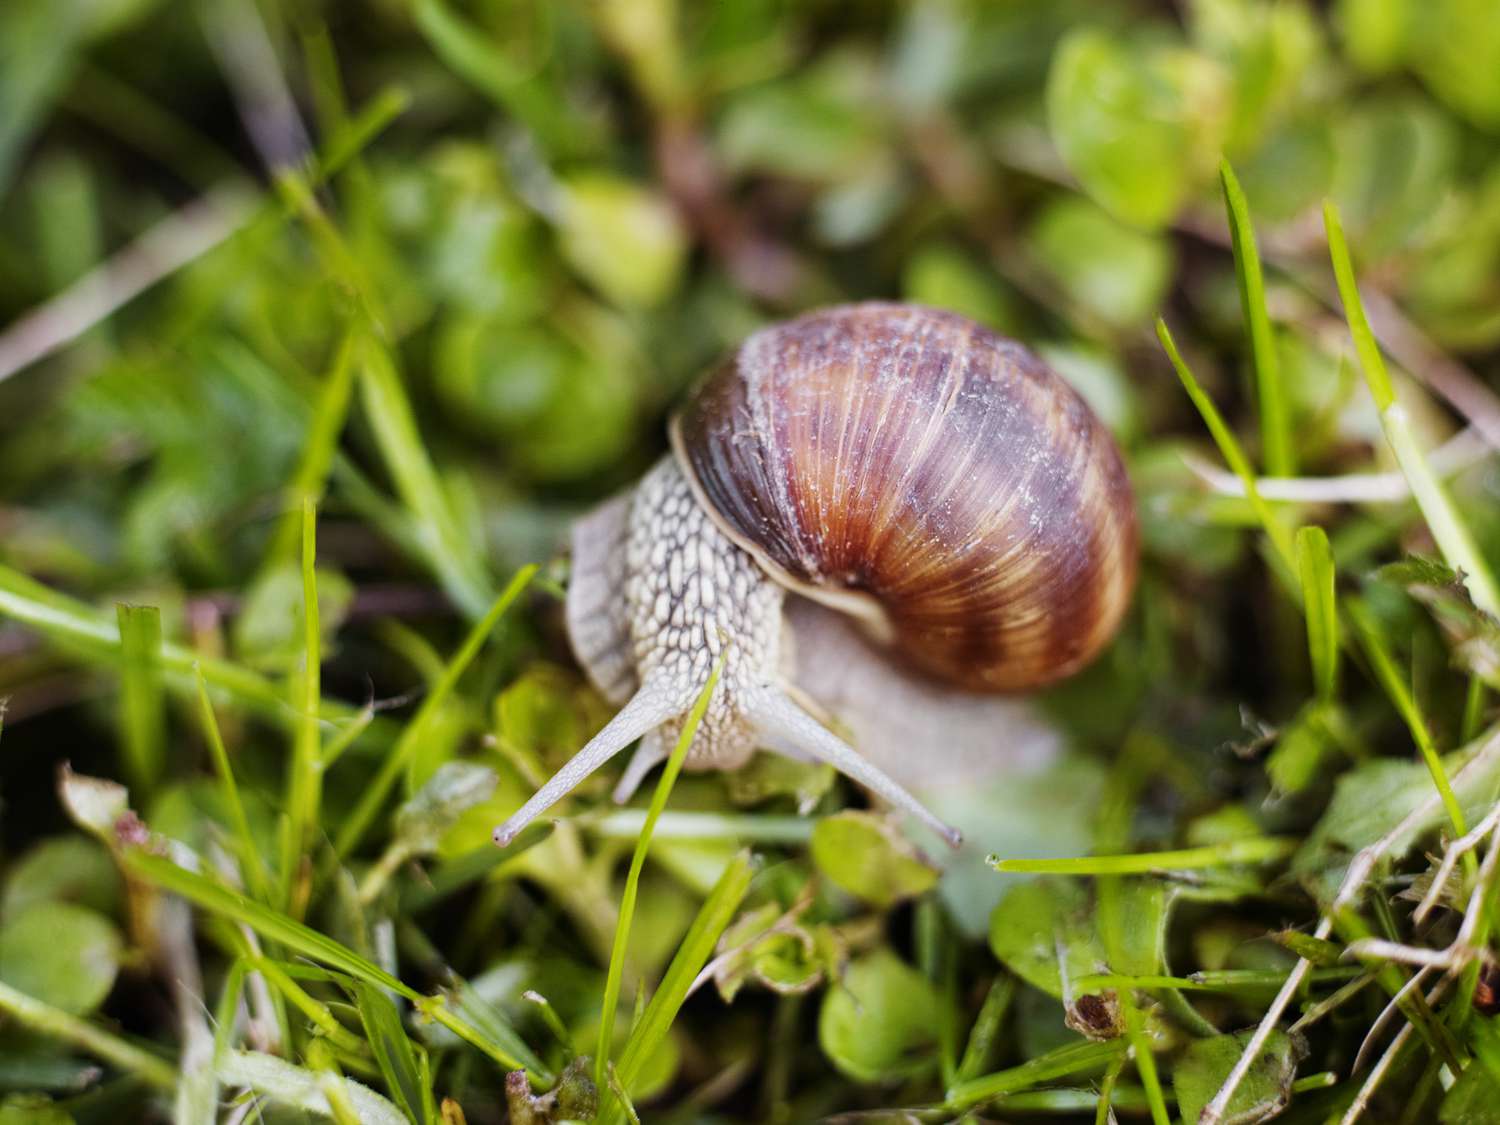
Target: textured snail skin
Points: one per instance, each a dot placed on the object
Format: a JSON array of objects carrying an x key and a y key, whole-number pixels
[{"x": 944, "y": 475}]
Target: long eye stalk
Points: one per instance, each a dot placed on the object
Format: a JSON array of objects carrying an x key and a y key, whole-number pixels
[
  {"x": 646, "y": 710},
  {"x": 793, "y": 731}
]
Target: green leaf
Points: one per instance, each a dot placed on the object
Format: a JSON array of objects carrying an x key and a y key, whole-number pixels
[
  {"x": 880, "y": 1022},
  {"x": 63, "y": 955},
  {"x": 300, "y": 1088},
  {"x": 1373, "y": 797},
  {"x": 781, "y": 955},
  {"x": 867, "y": 856},
  {"x": 1458, "y": 54},
  {"x": 819, "y": 125},
  {"x": 1302, "y": 746},
  {"x": 621, "y": 237},
  {"x": 1473, "y": 1100},
  {"x": 772, "y": 775},
  {"x": 1396, "y": 164},
  {"x": 1049, "y": 933},
  {"x": 32, "y": 1109},
  {"x": 1120, "y": 118},
  {"x": 1041, "y": 813},
  {"x": 1379, "y": 35},
  {"x": 423, "y": 821},
  {"x": 402, "y": 1064},
  {"x": 1113, "y": 271},
  {"x": 449, "y": 548},
  {"x": 142, "y": 708},
  {"x": 1265, "y": 1091},
  {"x": 62, "y": 869},
  {"x": 1291, "y": 171},
  {"x": 1229, "y": 448},
  {"x": 269, "y": 923},
  {"x": 1037, "y": 920}
]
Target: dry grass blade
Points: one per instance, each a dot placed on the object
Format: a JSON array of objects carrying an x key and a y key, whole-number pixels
[
  {"x": 1350, "y": 888},
  {"x": 175, "y": 241}
]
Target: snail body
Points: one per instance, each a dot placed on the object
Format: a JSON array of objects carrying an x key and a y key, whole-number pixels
[{"x": 904, "y": 466}]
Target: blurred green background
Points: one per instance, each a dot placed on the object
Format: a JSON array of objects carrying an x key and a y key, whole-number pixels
[{"x": 444, "y": 265}]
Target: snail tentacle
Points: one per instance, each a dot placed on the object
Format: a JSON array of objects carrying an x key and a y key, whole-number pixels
[
  {"x": 653, "y": 705},
  {"x": 652, "y": 750},
  {"x": 796, "y": 733}
]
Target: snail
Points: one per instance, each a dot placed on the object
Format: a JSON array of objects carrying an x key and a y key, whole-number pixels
[{"x": 905, "y": 467}]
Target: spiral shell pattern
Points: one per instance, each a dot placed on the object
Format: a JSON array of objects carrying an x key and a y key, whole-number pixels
[{"x": 937, "y": 478}]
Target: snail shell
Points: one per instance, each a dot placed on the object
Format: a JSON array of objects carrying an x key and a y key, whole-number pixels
[
  {"x": 934, "y": 482},
  {"x": 939, "y": 482}
]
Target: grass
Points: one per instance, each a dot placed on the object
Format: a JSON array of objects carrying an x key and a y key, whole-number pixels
[{"x": 616, "y": 974}]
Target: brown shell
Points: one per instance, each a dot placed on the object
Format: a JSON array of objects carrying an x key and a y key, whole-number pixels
[{"x": 932, "y": 476}]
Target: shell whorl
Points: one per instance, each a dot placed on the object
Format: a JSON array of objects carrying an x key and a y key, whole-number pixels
[{"x": 935, "y": 477}]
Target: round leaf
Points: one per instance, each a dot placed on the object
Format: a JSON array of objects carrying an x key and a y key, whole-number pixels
[
  {"x": 1119, "y": 273},
  {"x": 61, "y": 954},
  {"x": 624, "y": 239},
  {"x": 866, "y": 856},
  {"x": 1121, "y": 125},
  {"x": 1265, "y": 1091},
  {"x": 880, "y": 1022},
  {"x": 67, "y": 868}
]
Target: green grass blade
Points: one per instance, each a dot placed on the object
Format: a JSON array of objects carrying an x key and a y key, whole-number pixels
[
  {"x": 1145, "y": 1061},
  {"x": 1365, "y": 347},
  {"x": 375, "y": 793},
  {"x": 1384, "y": 667},
  {"x": 986, "y": 1027},
  {"x": 1070, "y": 1059},
  {"x": 305, "y": 782},
  {"x": 348, "y": 735},
  {"x": 1229, "y": 449},
  {"x": 317, "y": 1013},
  {"x": 1474, "y": 701},
  {"x": 616, "y": 971},
  {"x": 1448, "y": 528},
  {"x": 84, "y": 630},
  {"x": 1268, "y": 849},
  {"x": 450, "y": 553},
  {"x": 395, "y": 1054},
  {"x": 318, "y": 451},
  {"x": 1109, "y": 1094},
  {"x": 1320, "y": 606},
  {"x": 477, "y": 58},
  {"x": 54, "y": 1023},
  {"x": 250, "y": 859},
  {"x": 143, "y": 717},
  {"x": 474, "y": 1020},
  {"x": 697, "y": 946},
  {"x": 228, "y": 1006},
  {"x": 271, "y": 924},
  {"x": 1275, "y": 419}
]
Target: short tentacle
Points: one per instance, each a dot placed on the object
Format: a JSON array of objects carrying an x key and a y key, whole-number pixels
[
  {"x": 646, "y": 710},
  {"x": 653, "y": 749},
  {"x": 790, "y": 729}
]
